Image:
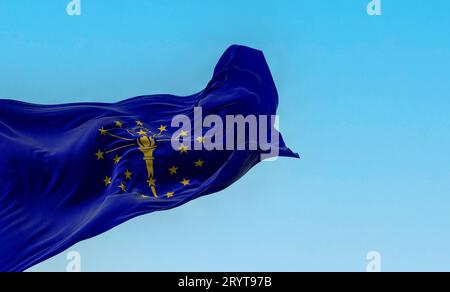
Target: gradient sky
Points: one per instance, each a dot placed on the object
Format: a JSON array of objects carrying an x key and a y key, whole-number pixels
[{"x": 365, "y": 101}]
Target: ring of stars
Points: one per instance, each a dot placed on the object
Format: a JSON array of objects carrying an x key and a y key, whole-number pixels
[{"x": 128, "y": 175}]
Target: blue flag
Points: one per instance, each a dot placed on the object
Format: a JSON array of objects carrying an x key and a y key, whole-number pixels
[{"x": 70, "y": 172}]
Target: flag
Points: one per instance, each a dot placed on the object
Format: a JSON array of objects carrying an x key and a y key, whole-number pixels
[{"x": 70, "y": 172}]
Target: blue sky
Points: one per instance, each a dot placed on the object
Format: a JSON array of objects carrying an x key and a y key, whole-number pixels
[{"x": 365, "y": 101}]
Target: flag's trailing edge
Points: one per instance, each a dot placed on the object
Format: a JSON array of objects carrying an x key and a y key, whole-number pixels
[{"x": 70, "y": 172}]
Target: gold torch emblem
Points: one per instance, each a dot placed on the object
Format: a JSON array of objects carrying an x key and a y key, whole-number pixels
[
  {"x": 147, "y": 146},
  {"x": 146, "y": 143}
]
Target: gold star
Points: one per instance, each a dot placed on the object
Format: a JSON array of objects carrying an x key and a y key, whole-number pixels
[
  {"x": 200, "y": 139},
  {"x": 183, "y": 133},
  {"x": 128, "y": 174},
  {"x": 183, "y": 149},
  {"x": 173, "y": 170},
  {"x": 139, "y": 123},
  {"x": 151, "y": 182},
  {"x": 162, "y": 128},
  {"x": 170, "y": 194},
  {"x": 185, "y": 182},
  {"x": 119, "y": 124},
  {"x": 123, "y": 187},
  {"x": 142, "y": 133},
  {"x": 102, "y": 131},
  {"x": 199, "y": 163},
  {"x": 107, "y": 181},
  {"x": 99, "y": 155},
  {"x": 117, "y": 159}
]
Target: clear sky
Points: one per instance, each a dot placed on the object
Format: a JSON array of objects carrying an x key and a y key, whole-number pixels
[{"x": 365, "y": 101}]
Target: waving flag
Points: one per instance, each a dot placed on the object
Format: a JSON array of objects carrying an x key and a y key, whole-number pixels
[{"x": 70, "y": 172}]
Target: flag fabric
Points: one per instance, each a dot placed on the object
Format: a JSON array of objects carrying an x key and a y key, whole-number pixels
[{"x": 70, "y": 172}]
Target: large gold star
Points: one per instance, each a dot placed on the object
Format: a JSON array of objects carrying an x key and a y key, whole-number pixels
[
  {"x": 122, "y": 187},
  {"x": 117, "y": 159},
  {"x": 199, "y": 163},
  {"x": 142, "y": 133},
  {"x": 128, "y": 174},
  {"x": 183, "y": 149},
  {"x": 170, "y": 194},
  {"x": 185, "y": 182},
  {"x": 102, "y": 131},
  {"x": 162, "y": 128},
  {"x": 173, "y": 170},
  {"x": 119, "y": 124},
  {"x": 151, "y": 182},
  {"x": 99, "y": 155},
  {"x": 107, "y": 181}
]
